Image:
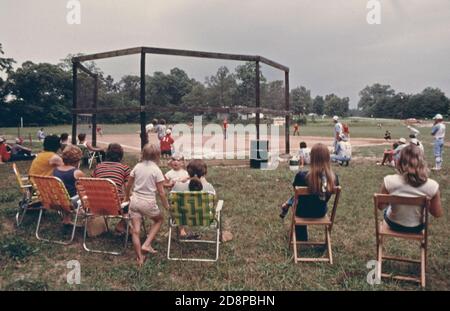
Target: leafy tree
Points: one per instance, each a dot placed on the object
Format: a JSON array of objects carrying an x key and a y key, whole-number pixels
[
  {"x": 301, "y": 100},
  {"x": 370, "y": 96},
  {"x": 6, "y": 64},
  {"x": 221, "y": 88},
  {"x": 272, "y": 95},
  {"x": 41, "y": 94},
  {"x": 246, "y": 77},
  {"x": 334, "y": 105},
  {"x": 427, "y": 103},
  {"x": 129, "y": 87},
  {"x": 318, "y": 105}
]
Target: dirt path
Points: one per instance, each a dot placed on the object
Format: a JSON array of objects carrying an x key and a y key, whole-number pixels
[{"x": 131, "y": 142}]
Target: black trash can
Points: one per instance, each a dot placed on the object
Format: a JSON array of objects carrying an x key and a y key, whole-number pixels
[{"x": 259, "y": 154}]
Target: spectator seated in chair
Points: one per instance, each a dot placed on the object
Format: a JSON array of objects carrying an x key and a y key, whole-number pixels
[
  {"x": 119, "y": 173},
  {"x": 21, "y": 153},
  {"x": 411, "y": 180},
  {"x": 5, "y": 152},
  {"x": 69, "y": 173},
  {"x": 47, "y": 160},
  {"x": 99, "y": 152},
  {"x": 197, "y": 170}
]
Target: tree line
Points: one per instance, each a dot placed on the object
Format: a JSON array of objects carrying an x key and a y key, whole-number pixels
[{"x": 42, "y": 95}]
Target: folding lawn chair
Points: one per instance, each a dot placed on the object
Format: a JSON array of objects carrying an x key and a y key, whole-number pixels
[
  {"x": 383, "y": 231},
  {"x": 29, "y": 201},
  {"x": 326, "y": 221},
  {"x": 101, "y": 198},
  {"x": 54, "y": 196},
  {"x": 195, "y": 209},
  {"x": 89, "y": 156}
]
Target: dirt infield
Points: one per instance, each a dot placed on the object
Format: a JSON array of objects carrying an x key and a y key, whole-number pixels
[{"x": 131, "y": 142}]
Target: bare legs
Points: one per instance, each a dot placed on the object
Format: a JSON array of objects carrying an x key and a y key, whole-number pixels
[{"x": 146, "y": 247}]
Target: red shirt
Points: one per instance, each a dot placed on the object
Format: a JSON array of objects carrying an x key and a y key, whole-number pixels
[
  {"x": 225, "y": 124},
  {"x": 166, "y": 143},
  {"x": 4, "y": 153}
]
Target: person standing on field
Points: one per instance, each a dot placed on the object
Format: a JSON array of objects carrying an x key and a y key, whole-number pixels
[
  {"x": 337, "y": 132},
  {"x": 438, "y": 131},
  {"x": 296, "y": 130},
  {"x": 225, "y": 126}
]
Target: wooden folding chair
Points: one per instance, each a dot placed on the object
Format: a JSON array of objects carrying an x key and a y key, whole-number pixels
[
  {"x": 195, "y": 209},
  {"x": 383, "y": 231},
  {"x": 326, "y": 221},
  {"x": 29, "y": 201},
  {"x": 54, "y": 196},
  {"x": 100, "y": 197}
]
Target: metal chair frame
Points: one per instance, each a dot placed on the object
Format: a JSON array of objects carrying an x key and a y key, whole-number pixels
[
  {"x": 84, "y": 187},
  {"x": 216, "y": 241},
  {"x": 54, "y": 196},
  {"x": 28, "y": 198}
]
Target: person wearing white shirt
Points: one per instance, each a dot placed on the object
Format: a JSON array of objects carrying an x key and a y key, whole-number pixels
[
  {"x": 438, "y": 131},
  {"x": 411, "y": 180},
  {"x": 304, "y": 154},
  {"x": 337, "y": 131},
  {"x": 343, "y": 151},
  {"x": 177, "y": 173}
]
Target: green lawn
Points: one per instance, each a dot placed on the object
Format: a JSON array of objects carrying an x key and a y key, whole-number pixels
[
  {"x": 358, "y": 128},
  {"x": 257, "y": 258}
]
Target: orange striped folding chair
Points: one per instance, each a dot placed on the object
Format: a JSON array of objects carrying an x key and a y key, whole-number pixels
[
  {"x": 327, "y": 221},
  {"x": 54, "y": 197},
  {"x": 101, "y": 198},
  {"x": 383, "y": 231},
  {"x": 29, "y": 201}
]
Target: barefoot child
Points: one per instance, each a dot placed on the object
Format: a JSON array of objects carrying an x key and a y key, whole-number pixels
[{"x": 146, "y": 179}]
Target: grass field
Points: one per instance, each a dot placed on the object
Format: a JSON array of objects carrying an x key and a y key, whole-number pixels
[
  {"x": 358, "y": 127},
  {"x": 257, "y": 258}
]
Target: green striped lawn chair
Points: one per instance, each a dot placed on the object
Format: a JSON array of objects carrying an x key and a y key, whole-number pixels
[{"x": 196, "y": 209}]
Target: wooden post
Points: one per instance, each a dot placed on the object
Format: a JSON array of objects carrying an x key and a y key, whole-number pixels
[
  {"x": 74, "y": 101},
  {"x": 286, "y": 107},
  {"x": 144, "y": 138},
  {"x": 258, "y": 96},
  {"x": 94, "y": 115}
]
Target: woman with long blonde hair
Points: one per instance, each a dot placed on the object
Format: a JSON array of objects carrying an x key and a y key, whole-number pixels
[
  {"x": 411, "y": 180},
  {"x": 320, "y": 180}
]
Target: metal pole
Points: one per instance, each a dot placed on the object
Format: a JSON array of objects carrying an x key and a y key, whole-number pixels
[
  {"x": 142, "y": 115},
  {"x": 286, "y": 103},
  {"x": 258, "y": 97},
  {"x": 74, "y": 101},
  {"x": 94, "y": 116}
]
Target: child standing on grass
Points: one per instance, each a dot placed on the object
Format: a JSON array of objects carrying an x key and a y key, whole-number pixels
[
  {"x": 166, "y": 144},
  {"x": 146, "y": 179}
]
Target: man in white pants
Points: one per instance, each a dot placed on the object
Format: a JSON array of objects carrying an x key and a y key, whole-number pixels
[
  {"x": 337, "y": 132},
  {"x": 438, "y": 131}
]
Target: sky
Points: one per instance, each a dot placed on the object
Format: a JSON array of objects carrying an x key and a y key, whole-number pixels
[{"x": 327, "y": 44}]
